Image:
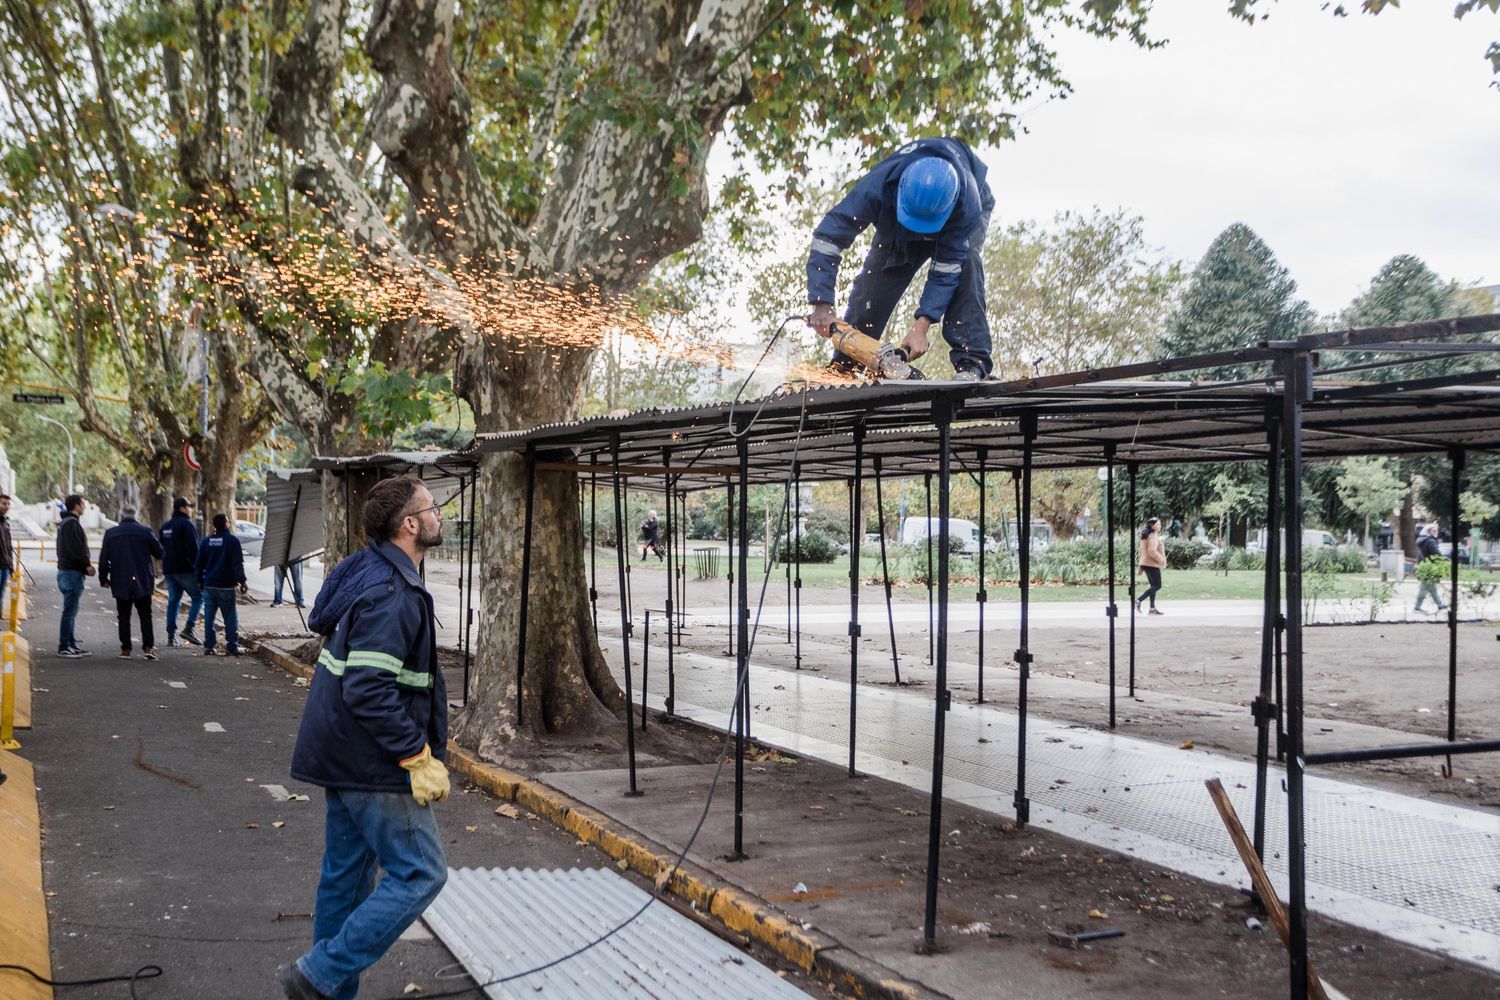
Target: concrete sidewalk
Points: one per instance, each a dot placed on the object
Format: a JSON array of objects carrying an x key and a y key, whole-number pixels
[{"x": 169, "y": 834}]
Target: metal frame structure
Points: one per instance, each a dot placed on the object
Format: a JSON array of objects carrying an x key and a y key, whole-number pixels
[{"x": 1139, "y": 414}]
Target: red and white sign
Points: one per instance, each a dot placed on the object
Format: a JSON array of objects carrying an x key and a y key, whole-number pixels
[{"x": 192, "y": 457}]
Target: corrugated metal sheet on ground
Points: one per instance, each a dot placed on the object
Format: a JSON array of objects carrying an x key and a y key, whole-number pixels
[{"x": 498, "y": 923}]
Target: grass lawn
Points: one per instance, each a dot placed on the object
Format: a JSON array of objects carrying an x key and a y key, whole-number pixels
[{"x": 1178, "y": 585}]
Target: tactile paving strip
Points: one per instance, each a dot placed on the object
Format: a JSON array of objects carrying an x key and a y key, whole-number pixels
[{"x": 1419, "y": 871}]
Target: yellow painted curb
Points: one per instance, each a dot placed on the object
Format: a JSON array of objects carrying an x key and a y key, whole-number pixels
[{"x": 23, "y": 912}]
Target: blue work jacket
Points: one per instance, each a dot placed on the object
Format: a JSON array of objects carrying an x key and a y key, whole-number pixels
[
  {"x": 377, "y": 694},
  {"x": 221, "y": 561},
  {"x": 125, "y": 565},
  {"x": 872, "y": 201},
  {"x": 179, "y": 540}
]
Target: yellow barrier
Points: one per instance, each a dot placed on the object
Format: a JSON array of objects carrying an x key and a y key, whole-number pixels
[
  {"x": 9, "y": 647},
  {"x": 17, "y": 611}
]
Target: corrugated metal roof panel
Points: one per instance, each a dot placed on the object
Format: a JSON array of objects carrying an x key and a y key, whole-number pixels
[{"x": 498, "y": 923}]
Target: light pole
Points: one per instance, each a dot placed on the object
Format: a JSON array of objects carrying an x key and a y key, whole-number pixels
[{"x": 72, "y": 484}]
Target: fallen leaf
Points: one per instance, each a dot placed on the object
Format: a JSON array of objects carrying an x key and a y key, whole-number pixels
[
  {"x": 817, "y": 808},
  {"x": 108, "y": 808},
  {"x": 623, "y": 865},
  {"x": 1185, "y": 745},
  {"x": 508, "y": 811},
  {"x": 908, "y": 812},
  {"x": 470, "y": 827},
  {"x": 1167, "y": 899},
  {"x": 1098, "y": 914},
  {"x": 278, "y": 824},
  {"x": 662, "y": 878},
  {"x": 252, "y": 826},
  {"x": 411, "y": 988}
]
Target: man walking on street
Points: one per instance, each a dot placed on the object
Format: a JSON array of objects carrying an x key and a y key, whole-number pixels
[
  {"x": 373, "y": 735},
  {"x": 1428, "y": 547},
  {"x": 179, "y": 539},
  {"x": 73, "y": 564},
  {"x": 125, "y": 567},
  {"x": 220, "y": 569},
  {"x": 7, "y": 548}
]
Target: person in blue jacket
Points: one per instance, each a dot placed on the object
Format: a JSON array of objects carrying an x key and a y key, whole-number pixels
[
  {"x": 125, "y": 567},
  {"x": 374, "y": 734},
  {"x": 928, "y": 201},
  {"x": 220, "y": 569},
  {"x": 179, "y": 540}
]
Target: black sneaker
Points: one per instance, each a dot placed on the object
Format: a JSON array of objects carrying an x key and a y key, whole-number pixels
[
  {"x": 295, "y": 985},
  {"x": 78, "y": 652},
  {"x": 191, "y": 639},
  {"x": 71, "y": 654},
  {"x": 208, "y": 651}
]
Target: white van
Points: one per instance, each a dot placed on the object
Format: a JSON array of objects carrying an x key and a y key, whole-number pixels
[{"x": 915, "y": 530}]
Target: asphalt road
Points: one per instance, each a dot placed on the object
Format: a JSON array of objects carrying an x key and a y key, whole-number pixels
[{"x": 161, "y": 844}]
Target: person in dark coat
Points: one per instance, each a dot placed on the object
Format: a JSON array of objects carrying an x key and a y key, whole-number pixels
[
  {"x": 1428, "y": 547},
  {"x": 125, "y": 567},
  {"x": 374, "y": 734},
  {"x": 7, "y": 554},
  {"x": 179, "y": 539},
  {"x": 73, "y": 564},
  {"x": 220, "y": 569},
  {"x": 651, "y": 536}
]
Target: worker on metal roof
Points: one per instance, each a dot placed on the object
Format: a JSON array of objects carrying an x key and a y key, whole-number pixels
[{"x": 928, "y": 201}]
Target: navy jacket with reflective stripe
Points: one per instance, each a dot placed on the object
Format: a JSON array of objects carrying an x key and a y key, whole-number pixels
[
  {"x": 377, "y": 695},
  {"x": 872, "y": 201}
]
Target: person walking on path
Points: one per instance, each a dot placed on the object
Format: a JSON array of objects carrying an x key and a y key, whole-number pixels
[
  {"x": 73, "y": 564},
  {"x": 1153, "y": 561},
  {"x": 125, "y": 567},
  {"x": 7, "y": 547},
  {"x": 651, "y": 536},
  {"x": 220, "y": 569},
  {"x": 374, "y": 734},
  {"x": 179, "y": 539},
  {"x": 1428, "y": 547},
  {"x": 928, "y": 201}
]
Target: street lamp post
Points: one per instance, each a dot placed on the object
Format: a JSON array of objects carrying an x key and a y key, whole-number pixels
[{"x": 72, "y": 484}]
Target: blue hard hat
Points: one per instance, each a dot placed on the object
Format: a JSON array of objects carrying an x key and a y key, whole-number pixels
[{"x": 928, "y": 192}]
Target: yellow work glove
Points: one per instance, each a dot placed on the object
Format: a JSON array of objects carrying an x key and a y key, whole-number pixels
[{"x": 429, "y": 778}]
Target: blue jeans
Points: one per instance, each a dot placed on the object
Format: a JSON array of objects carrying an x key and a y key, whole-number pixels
[
  {"x": 883, "y": 279},
  {"x": 281, "y": 575},
  {"x": 1426, "y": 590},
  {"x": 177, "y": 585},
  {"x": 221, "y": 599},
  {"x": 4, "y": 579},
  {"x": 355, "y": 918},
  {"x": 70, "y": 582}
]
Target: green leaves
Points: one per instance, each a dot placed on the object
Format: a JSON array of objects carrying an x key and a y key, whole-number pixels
[{"x": 388, "y": 401}]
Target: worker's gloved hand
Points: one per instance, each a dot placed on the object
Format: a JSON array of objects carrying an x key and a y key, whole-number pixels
[
  {"x": 429, "y": 778},
  {"x": 822, "y": 318},
  {"x": 916, "y": 343}
]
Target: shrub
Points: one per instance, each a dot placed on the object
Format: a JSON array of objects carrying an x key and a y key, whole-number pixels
[
  {"x": 817, "y": 547},
  {"x": 1184, "y": 553},
  {"x": 1333, "y": 559},
  {"x": 1237, "y": 559}
]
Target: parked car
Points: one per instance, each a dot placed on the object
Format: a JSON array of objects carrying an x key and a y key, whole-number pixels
[
  {"x": 914, "y": 531},
  {"x": 251, "y": 536}
]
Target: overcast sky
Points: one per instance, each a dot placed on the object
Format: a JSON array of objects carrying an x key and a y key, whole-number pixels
[{"x": 1341, "y": 141}]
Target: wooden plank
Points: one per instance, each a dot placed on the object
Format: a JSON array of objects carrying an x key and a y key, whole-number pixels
[
  {"x": 23, "y": 915},
  {"x": 1258, "y": 878}
]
